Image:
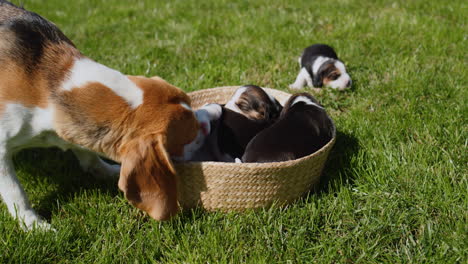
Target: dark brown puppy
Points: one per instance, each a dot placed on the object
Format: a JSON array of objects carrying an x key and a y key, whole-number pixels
[
  {"x": 249, "y": 111},
  {"x": 303, "y": 128},
  {"x": 234, "y": 132}
]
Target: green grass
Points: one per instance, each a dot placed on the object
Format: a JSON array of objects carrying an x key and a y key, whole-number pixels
[{"x": 397, "y": 185}]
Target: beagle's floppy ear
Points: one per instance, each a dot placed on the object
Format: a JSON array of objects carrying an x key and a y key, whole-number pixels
[
  {"x": 317, "y": 80},
  {"x": 147, "y": 177}
]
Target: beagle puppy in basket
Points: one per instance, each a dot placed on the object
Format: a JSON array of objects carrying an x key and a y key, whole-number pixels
[
  {"x": 250, "y": 110},
  {"x": 52, "y": 95},
  {"x": 302, "y": 128}
]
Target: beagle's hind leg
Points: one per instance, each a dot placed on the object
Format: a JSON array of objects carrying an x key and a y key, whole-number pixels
[{"x": 92, "y": 163}]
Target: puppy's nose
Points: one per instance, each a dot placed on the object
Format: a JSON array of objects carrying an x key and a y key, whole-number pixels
[{"x": 348, "y": 84}]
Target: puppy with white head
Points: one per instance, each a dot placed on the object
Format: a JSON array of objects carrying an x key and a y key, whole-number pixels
[
  {"x": 52, "y": 95},
  {"x": 320, "y": 67},
  {"x": 249, "y": 111},
  {"x": 254, "y": 103},
  {"x": 302, "y": 128}
]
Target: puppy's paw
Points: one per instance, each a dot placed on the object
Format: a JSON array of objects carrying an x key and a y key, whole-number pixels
[
  {"x": 316, "y": 90},
  {"x": 295, "y": 87},
  {"x": 237, "y": 160}
]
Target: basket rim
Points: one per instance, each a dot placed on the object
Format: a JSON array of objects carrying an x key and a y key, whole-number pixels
[{"x": 255, "y": 164}]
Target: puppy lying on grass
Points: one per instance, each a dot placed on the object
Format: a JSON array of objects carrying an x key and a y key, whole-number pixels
[{"x": 320, "y": 66}]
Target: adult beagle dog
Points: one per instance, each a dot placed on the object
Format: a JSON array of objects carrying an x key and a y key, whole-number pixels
[
  {"x": 52, "y": 95},
  {"x": 320, "y": 66}
]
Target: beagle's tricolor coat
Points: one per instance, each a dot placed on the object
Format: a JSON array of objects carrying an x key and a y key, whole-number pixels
[
  {"x": 320, "y": 66},
  {"x": 254, "y": 103},
  {"x": 250, "y": 110},
  {"x": 52, "y": 95}
]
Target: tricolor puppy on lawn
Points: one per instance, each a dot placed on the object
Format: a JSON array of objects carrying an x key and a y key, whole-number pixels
[
  {"x": 320, "y": 67},
  {"x": 52, "y": 95}
]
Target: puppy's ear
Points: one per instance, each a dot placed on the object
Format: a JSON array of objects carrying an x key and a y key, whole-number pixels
[
  {"x": 317, "y": 80},
  {"x": 274, "y": 110},
  {"x": 147, "y": 177}
]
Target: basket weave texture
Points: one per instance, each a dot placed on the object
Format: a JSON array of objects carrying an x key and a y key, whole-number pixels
[{"x": 239, "y": 186}]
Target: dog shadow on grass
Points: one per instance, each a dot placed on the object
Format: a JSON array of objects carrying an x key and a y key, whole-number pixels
[
  {"x": 51, "y": 176},
  {"x": 339, "y": 167}
]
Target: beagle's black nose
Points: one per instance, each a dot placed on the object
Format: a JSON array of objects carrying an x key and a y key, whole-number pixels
[{"x": 348, "y": 84}]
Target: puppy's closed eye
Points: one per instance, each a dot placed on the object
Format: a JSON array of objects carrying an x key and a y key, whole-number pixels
[
  {"x": 243, "y": 105},
  {"x": 333, "y": 76}
]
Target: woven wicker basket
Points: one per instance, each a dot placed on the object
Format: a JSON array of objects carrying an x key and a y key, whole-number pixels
[{"x": 235, "y": 187}]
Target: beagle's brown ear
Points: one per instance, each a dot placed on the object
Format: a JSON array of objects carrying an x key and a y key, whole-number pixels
[{"x": 147, "y": 177}]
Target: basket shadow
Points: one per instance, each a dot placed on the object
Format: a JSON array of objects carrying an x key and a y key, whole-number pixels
[
  {"x": 338, "y": 168},
  {"x": 49, "y": 175}
]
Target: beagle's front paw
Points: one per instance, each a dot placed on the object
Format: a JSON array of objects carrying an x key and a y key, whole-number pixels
[{"x": 30, "y": 221}]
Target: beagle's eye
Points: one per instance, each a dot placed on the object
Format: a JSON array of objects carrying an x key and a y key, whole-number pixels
[{"x": 334, "y": 76}]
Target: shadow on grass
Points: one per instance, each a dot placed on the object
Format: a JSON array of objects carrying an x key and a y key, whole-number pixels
[
  {"x": 50, "y": 175},
  {"x": 338, "y": 168}
]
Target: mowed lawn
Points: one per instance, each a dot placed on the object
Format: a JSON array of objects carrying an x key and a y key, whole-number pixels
[{"x": 396, "y": 182}]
